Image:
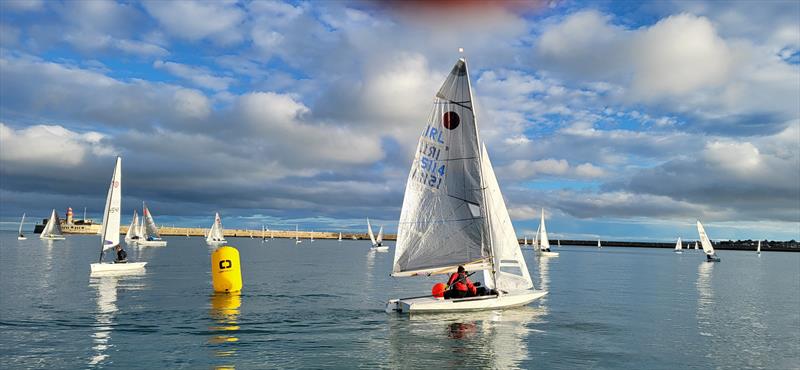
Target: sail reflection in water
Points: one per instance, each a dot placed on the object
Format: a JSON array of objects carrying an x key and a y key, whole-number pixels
[
  {"x": 493, "y": 339},
  {"x": 107, "y": 286},
  {"x": 225, "y": 313}
]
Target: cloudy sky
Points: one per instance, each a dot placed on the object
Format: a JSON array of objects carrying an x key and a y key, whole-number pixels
[{"x": 625, "y": 121}]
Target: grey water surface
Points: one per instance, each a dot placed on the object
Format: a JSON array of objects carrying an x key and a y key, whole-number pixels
[{"x": 320, "y": 305}]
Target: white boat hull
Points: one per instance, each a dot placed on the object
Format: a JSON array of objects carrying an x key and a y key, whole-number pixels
[
  {"x": 22, "y": 238},
  {"x": 216, "y": 243},
  {"x": 111, "y": 268},
  {"x": 430, "y": 304},
  {"x": 548, "y": 254},
  {"x": 152, "y": 243},
  {"x": 383, "y": 248},
  {"x": 52, "y": 238}
]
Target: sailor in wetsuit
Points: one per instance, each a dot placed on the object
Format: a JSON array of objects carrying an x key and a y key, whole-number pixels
[
  {"x": 122, "y": 256},
  {"x": 459, "y": 285}
]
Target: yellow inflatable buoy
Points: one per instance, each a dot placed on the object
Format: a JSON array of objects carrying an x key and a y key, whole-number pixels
[{"x": 226, "y": 272}]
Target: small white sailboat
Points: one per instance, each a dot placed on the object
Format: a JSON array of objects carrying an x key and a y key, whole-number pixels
[
  {"x": 598, "y": 244},
  {"x": 20, "y": 235},
  {"x": 52, "y": 231},
  {"x": 297, "y": 235},
  {"x": 679, "y": 246},
  {"x": 758, "y": 249},
  {"x": 109, "y": 234},
  {"x": 272, "y": 234},
  {"x": 263, "y": 234},
  {"x": 454, "y": 214},
  {"x": 132, "y": 235},
  {"x": 711, "y": 255},
  {"x": 695, "y": 246},
  {"x": 151, "y": 237},
  {"x": 311, "y": 240},
  {"x": 216, "y": 235},
  {"x": 544, "y": 241},
  {"x": 340, "y": 236},
  {"x": 187, "y": 234},
  {"x": 559, "y": 243},
  {"x": 377, "y": 243},
  {"x": 525, "y": 241}
]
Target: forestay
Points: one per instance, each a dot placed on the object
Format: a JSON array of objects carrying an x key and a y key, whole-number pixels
[
  {"x": 111, "y": 215},
  {"x": 704, "y": 241},
  {"x": 512, "y": 271},
  {"x": 441, "y": 223}
]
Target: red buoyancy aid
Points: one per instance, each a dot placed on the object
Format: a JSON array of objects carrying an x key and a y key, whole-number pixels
[{"x": 461, "y": 283}]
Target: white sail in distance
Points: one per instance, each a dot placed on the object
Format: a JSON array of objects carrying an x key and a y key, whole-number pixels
[
  {"x": 758, "y": 249},
  {"x": 379, "y": 238},
  {"x": 151, "y": 230},
  {"x": 678, "y": 245},
  {"x": 442, "y": 222},
  {"x": 112, "y": 212},
  {"x": 22, "y": 222},
  {"x": 544, "y": 242},
  {"x": 53, "y": 227},
  {"x": 704, "y": 241},
  {"x": 133, "y": 229},
  {"x": 371, "y": 235},
  {"x": 216, "y": 232}
]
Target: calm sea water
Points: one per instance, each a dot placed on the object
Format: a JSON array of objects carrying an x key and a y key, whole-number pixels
[{"x": 320, "y": 305}]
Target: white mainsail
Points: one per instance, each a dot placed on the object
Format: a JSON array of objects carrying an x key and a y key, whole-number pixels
[
  {"x": 758, "y": 249},
  {"x": 151, "y": 230},
  {"x": 679, "y": 245},
  {"x": 133, "y": 230},
  {"x": 111, "y": 215},
  {"x": 340, "y": 236},
  {"x": 53, "y": 227},
  {"x": 536, "y": 237},
  {"x": 371, "y": 235},
  {"x": 20, "y": 225},
  {"x": 379, "y": 239},
  {"x": 704, "y": 241},
  {"x": 544, "y": 242},
  {"x": 442, "y": 223},
  {"x": 216, "y": 232}
]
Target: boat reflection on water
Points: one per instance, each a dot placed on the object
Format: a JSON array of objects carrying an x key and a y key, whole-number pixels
[
  {"x": 494, "y": 339},
  {"x": 106, "y": 286},
  {"x": 544, "y": 275},
  {"x": 225, "y": 313}
]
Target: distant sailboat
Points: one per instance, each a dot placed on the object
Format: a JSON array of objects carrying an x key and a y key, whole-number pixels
[
  {"x": 297, "y": 235},
  {"x": 598, "y": 244},
  {"x": 151, "y": 237},
  {"x": 559, "y": 243},
  {"x": 454, "y": 214},
  {"x": 312, "y": 237},
  {"x": 132, "y": 235},
  {"x": 216, "y": 234},
  {"x": 263, "y": 234},
  {"x": 711, "y": 255},
  {"x": 544, "y": 241},
  {"x": 377, "y": 243},
  {"x": 525, "y": 241},
  {"x": 52, "y": 231},
  {"x": 109, "y": 234},
  {"x": 679, "y": 246},
  {"x": 340, "y": 236},
  {"x": 21, "y": 236},
  {"x": 758, "y": 249},
  {"x": 695, "y": 246}
]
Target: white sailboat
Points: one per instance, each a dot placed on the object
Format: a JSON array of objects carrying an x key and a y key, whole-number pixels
[
  {"x": 216, "y": 235},
  {"x": 151, "y": 237},
  {"x": 544, "y": 241},
  {"x": 52, "y": 231},
  {"x": 679, "y": 246},
  {"x": 758, "y": 249},
  {"x": 454, "y": 214},
  {"x": 20, "y": 235},
  {"x": 695, "y": 246},
  {"x": 263, "y": 234},
  {"x": 297, "y": 235},
  {"x": 109, "y": 234},
  {"x": 559, "y": 243},
  {"x": 311, "y": 240},
  {"x": 340, "y": 236},
  {"x": 132, "y": 235},
  {"x": 711, "y": 255},
  {"x": 525, "y": 241},
  {"x": 377, "y": 243},
  {"x": 598, "y": 244}
]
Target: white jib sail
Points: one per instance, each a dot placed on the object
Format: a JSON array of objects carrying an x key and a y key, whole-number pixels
[
  {"x": 757, "y": 249},
  {"x": 544, "y": 242},
  {"x": 53, "y": 227},
  {"x": 150, "y": 225},
  {"x": 441, "y": 223},
  {"x": 134, "y": 225},
  {"x": 512, "y": 271},
  {"x": 111, "y": 214},
  {"x": 679, "y": 244},
  {"x": 23, "y": 221},
  {"x": 704, "y": 241},
  {"x": 536, "y": 237},
  {"x": 379, "y": 239}
]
